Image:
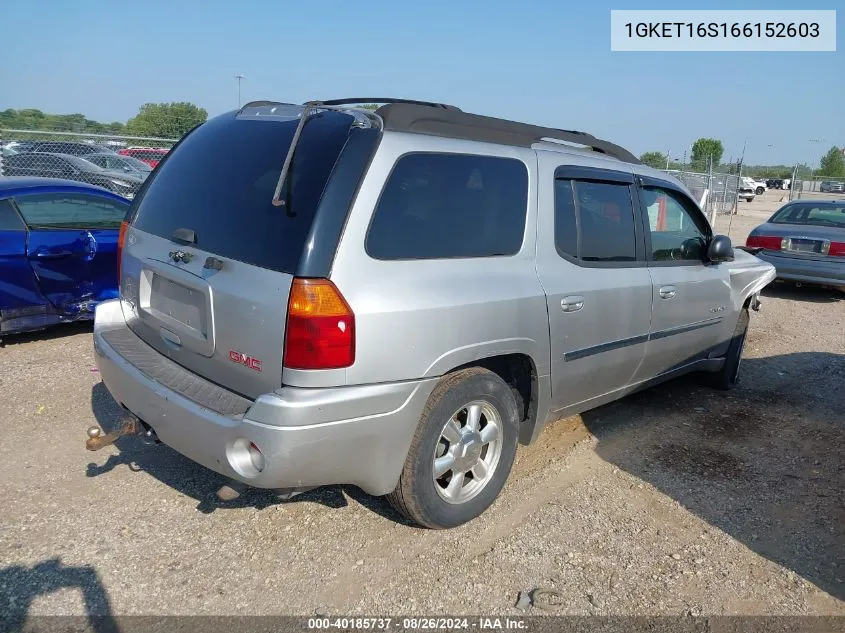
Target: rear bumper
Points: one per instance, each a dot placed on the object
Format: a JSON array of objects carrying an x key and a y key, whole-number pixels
[
  {"x": 825, "y": 273},
  {"x": 357, "y": 435}
]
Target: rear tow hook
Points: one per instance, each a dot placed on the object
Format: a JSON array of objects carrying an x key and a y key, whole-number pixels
[{"x": 129, "y": 425}]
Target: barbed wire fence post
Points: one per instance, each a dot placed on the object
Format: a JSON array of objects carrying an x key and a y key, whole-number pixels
[
  {"x": 793, "y": 184},
  {"x": 711, "y": 206}
]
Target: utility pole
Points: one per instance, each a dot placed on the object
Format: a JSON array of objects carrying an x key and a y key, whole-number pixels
[
  {"x": 239, "y": 77},
  {"x": 668, "y": 154}
]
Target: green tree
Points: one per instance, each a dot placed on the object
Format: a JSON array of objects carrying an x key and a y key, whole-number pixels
[
  {"x": 654, "y": 159},
  {"x": 32, "y": 119},
  {"x": 832, "y": 163},
  {"x": 166, "y": 120},
  {"x": 702, "y": 151}
]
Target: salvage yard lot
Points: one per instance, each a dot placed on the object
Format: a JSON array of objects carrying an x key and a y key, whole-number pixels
[{"x": 676, "y": 500}]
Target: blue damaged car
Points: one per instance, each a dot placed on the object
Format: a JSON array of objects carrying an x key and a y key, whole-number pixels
[{"x": 58, "y": 251}]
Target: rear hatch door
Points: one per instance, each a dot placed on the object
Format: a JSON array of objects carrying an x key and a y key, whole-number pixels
[{"x": 208, "y": 260}]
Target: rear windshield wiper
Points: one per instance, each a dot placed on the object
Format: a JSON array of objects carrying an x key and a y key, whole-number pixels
[{"x": 277, "y": 201}]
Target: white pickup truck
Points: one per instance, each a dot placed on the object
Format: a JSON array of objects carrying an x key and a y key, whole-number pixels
[{"x": 757, "y": 186}]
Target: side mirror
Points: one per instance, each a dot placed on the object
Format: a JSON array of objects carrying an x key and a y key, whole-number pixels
[{"x": 720, "y": 249}]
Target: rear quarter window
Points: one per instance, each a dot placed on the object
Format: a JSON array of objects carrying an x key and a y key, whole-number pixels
[
  {"x": 440, "y": 206},
  {"x": 9, "y": 219}
]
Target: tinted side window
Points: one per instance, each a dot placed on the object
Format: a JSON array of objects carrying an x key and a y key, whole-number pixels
[
  {"x": 675, "y": 234},
  {"x": 9, "y": 219},
  {"x": 71, "y": 211},
  {"x": 606, "y": 216},
  {"x": 566, "y": 227},
  {"x": 450, "y": 205}
]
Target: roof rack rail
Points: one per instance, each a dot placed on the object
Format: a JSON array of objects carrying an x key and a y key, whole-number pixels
[
  {"x": 379, "y": 100},
  {"x": 408, "y": 117},
  {"x": 440, "y": 119}
]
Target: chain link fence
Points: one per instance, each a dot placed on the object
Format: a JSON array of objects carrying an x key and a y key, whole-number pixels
[
  {"x": 117, "y": 163},
  {"x": 818, "y": 187},
  {"x": 715, "y": 192}
]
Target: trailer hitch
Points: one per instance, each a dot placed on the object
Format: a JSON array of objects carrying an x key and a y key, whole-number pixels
[{"x": 129, "y": 425}]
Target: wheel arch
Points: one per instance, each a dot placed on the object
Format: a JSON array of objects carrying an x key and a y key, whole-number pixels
[{"x": 530, "y": 388}]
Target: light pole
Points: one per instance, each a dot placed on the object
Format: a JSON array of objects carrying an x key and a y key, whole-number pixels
[{"x": 239, "y": 77}]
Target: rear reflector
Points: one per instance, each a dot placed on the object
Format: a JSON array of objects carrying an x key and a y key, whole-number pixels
[
  {"x": 320, "y": 330},
  {"x": 121, "y": 237},
  {"x": 768, "y": 242}
]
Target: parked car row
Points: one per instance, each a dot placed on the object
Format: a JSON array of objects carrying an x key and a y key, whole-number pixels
[
  {"x": 70, "y": 167},
  {"x": 121, "y": 172},
  {"x": 778, "y": 183}
]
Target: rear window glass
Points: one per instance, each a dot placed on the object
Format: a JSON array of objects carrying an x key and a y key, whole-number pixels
[
  {"x": 450, "y": 205},
  {"x": 220, "y": 181},
  {"x": 832, "y": 215},
  {"x": 70, "y": 211}
]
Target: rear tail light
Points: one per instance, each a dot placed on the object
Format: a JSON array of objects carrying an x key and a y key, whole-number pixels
[
  {"x": 121, "y": 237},
  {"x": 837, "y": 248},
  {"x": 320, "y": 330},
  {"x": 768, "y": 242}
]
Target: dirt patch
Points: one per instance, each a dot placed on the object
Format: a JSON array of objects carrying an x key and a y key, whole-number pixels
[
  {"x": 733, "y": 422},
  {"x": 557, "y": 438},
  {"x": 699, "y": 461}
]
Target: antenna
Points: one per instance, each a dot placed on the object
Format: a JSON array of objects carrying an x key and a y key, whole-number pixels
[{"x": 239, "y": 77}]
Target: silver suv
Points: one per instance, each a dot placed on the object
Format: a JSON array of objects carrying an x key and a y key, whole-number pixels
[{"x": 394, "y": 299}]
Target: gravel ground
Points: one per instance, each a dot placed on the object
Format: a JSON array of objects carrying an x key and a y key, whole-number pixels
[{"x": 677, "y": 500}]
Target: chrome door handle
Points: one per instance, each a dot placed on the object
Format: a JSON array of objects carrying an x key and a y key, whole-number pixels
[
  {"x": 571, "y": 304},
  {"x": 667, "y": 292}
]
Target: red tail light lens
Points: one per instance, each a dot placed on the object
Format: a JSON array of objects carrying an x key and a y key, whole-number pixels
[
  {"x": 121, "y": 237},
  {"x": 320, "y": 330},
  {"x": 837, "y": 248},
  {"x": 764, "y": 241}
]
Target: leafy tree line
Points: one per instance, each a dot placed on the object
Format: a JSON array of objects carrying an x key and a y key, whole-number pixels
[
  {"x": 704, "y": 150},
  {"x": 165, "y": 120}
]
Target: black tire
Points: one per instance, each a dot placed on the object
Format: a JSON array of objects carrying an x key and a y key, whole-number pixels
[
  {"x": 728, "y": 377},
  {"x": 759, "y": 191},
  {"x": 415, "y": 495}
]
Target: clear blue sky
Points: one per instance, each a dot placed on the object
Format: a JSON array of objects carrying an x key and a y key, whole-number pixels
[{"x": 547, "y": 62}]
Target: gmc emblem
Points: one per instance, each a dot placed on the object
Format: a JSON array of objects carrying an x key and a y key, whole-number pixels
[{"x": 243, "y": 359}]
